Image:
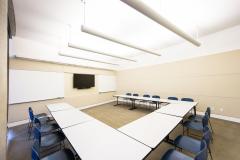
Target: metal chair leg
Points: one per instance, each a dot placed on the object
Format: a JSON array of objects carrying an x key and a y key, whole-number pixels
[
  {"x": 211, "y": 126},
  {"x": 210, "y": 152}
]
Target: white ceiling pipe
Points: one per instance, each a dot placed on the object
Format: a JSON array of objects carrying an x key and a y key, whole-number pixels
[
  {"x": 107, "y": 37},
  {"x": 147, "y": 11},
  {"x": 98, "y": 52},
  {"x": 86, "y": 59}
]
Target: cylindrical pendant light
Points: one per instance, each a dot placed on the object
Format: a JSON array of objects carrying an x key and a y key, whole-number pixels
[
  {"x": 86, "y": 59},
  {"x": 98, "y": 52},
  {"x": 149, "y": 12},
  {"x": 107, "y": 37}
]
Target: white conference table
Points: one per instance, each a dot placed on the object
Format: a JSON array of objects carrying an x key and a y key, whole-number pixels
[
  {"x": 95, "y": 140},
  {"x": 136, "y": 98},
  {"x": 167, "y": 102},
  {"x": 70, "y": 117},
  {"x": 177, "y": 109},
  {"x": 152, "y": 128},
  {"x": 59, "y": 107}
]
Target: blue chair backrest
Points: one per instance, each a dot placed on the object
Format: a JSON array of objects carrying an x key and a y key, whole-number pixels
[
  {"x": 31, "y": 115},
  {"x": 128, "y": 94},
  {"x": 205, "y": 120},
  {"x": 203, "y": 154},
  {"x": 207, "y": 136},
  {"x": 146, "y": 95},
  {"x": 37, "y": 135},
  {"x": 37, "y": 121},
  {"x": 35, "y": 155},
  {"x": 135, "y": 94},
  {"x": 187, "y": 99},
  {"x": 156, "y": 96},
  {"x": 173, "y": 98},
  {"x": 208, "y": 111}
]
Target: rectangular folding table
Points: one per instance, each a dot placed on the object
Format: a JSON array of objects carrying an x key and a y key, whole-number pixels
[
  {"x": 133, "y": 99},
  {"x": 177, "y": 109},
  {"x": 151, "y": 129},
  {"x": 95, "y": 140},
  {"x": 59, "y": 107},
  {"x": 70, "y": 117}
]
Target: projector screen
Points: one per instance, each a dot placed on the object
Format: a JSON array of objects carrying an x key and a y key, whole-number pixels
[{"x": 28, "y": 86}]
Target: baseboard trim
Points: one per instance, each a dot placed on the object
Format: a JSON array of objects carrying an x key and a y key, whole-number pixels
[
  {"x": 94, "y": 105},
  {"x": 18, "y": 123},
  {"x": 13, "y": 124},
  {"x": 227, "y": 118}
]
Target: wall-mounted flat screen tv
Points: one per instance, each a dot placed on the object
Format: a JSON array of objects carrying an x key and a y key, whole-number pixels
[{"x": 83, "y": 81}]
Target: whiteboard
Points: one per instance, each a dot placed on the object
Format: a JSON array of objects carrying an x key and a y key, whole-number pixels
[
  {"x": 106, "y": 83},
  {"x": 27, "y": 86}
]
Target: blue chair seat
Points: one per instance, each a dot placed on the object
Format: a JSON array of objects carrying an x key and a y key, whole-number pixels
[
  {"x": 172, "y": 154},
  {"x": 197, "y": 118},
  {"x": 194, "y": 125},
  {"x": 188, "y": 143},
  {"x": 48, "y": 128},
  {"x": 65, "y": 154},
  {"x": 41, "y": 115},
  {"x": 49, "y": 140}
]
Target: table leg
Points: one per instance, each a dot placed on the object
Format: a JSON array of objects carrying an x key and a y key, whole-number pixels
[
  {"x": 117, "y": 102},
  {"x": 168, "y": 140},
  {"x": 195, "y": 110},
  {"x": 133, "y": 105}
]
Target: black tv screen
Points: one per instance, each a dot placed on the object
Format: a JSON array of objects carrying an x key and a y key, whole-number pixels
[{"x": 82, "y": 81}]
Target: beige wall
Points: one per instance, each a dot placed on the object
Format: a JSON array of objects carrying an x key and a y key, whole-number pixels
[
  {"x": 73, "y": 96},
  {"x": 3, "y": 78},
  {"x": 211, "y": 80}
]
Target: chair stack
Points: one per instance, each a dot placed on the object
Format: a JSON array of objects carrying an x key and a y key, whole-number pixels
[
  {"x": 199, "y": 148},
  {"x": 48, "y": 139}
]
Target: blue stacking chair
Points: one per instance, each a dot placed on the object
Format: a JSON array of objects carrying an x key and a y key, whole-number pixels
[
  {"x": 128, "y": 94},
  {"x": 135, "y": 94},
  {"x": 46, "y": 127},
  {"x": 126, "y": 99},
  {"x": 195, "y": 125},
  {"x": 193, "y": 145},
  {"x": 43, "y": 143},
  {"x": 173, "y": 98},
  {"x": 173, "y": 154},
  {"x": 64, "y": 154},
  {"x": 42, "y": 117},
  {"x": 199, "y": 117},
  {"x": 155, "y": 96},
  {"x": 187, "y": 99},
  {"x": 144, "y": 101}
]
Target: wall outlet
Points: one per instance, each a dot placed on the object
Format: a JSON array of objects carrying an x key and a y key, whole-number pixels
[{"x": 221, "y": 109}]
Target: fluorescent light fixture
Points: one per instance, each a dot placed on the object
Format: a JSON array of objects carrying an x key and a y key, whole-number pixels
[
  {"x": 86, "y": 59},
  {"x": 147, "y": 11},
  {"x": 107, "y": 37},
  {"x": 98, "y": 52}
]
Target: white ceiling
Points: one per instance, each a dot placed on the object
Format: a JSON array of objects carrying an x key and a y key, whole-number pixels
[{"x": 57, "y": 22}]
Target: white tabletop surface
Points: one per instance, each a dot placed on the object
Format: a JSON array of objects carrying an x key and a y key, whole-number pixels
[
  {"x": 59, "y": 107},
  {"x": 95, "y": 140},
  {"x": 151, "y": 129},
  {"x": 177, "y": 109},
  {"x": 70, "y": 117},
  {"x": 142, "y": 98}
]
